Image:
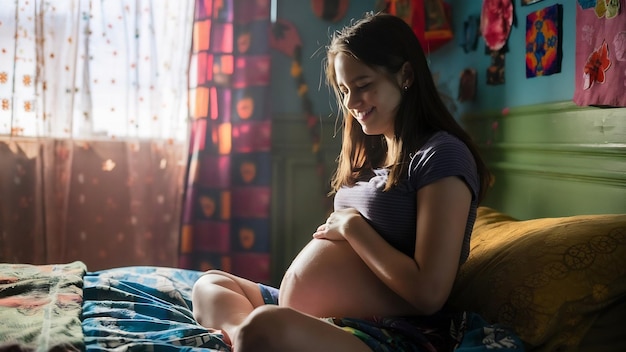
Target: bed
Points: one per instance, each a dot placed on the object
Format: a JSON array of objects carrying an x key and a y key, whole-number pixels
[
  {"x": 560, "y": 283},
  {"x": 64, "y": 307}
]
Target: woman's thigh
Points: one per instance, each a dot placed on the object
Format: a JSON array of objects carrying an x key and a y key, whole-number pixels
[{"x": 273, "y": 328}]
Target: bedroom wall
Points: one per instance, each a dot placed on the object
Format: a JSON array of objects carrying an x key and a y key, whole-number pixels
[
  {"x": 550, "y": 157},
  {"x": 314, "y": 33},
  {"x": 449, "y": 61},
  {"x": 299, "y": 201}
]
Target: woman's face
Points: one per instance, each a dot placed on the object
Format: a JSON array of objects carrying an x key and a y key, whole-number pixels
[{"x": 371, "y": 96}]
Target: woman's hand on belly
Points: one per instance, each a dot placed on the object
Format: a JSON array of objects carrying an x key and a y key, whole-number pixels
[{"x": 328, "y": 279}]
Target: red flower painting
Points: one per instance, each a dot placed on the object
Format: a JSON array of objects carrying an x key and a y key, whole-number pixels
[{"x": 597, "y": 64}]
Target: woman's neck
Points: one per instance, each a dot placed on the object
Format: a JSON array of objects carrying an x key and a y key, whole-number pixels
[{"x": 390, "y": 158}]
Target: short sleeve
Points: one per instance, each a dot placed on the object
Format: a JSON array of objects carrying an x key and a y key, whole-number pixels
[{"x": 444, "y": 155}]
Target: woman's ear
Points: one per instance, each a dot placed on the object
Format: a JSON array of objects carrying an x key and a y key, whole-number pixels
[{"x": 406, "y": 75}]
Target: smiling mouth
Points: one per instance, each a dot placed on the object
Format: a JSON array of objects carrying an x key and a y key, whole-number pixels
[{"x": 361, "y": 115}]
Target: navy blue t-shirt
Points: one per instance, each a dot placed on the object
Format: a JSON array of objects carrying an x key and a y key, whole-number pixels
[{"x": 393, "y": 213}]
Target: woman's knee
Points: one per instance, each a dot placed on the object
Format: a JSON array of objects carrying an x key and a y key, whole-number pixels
[
  {"x": 263, "y": 328},
  {"x": 213, "y": 279},
  {"x": 207, "y": 286}
]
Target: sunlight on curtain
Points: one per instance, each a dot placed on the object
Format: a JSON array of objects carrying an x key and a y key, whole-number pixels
[
  {"x": 73, "y": 68},
  {"x": 93, "y": 130}
]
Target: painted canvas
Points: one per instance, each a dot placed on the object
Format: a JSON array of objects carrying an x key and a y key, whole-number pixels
[{"x": 543, "y": 41}]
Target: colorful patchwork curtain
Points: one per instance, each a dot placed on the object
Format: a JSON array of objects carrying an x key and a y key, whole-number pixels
[{"x": 226, "y": 208}]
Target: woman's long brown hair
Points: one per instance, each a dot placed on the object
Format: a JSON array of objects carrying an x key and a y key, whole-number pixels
[{"x": 387, "y": 41}]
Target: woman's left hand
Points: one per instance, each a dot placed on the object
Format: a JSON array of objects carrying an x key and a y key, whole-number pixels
[{"x": 337, "y": 224}]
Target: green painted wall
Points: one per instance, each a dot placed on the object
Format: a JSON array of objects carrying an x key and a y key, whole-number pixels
[{"x": 554, "y": 159}]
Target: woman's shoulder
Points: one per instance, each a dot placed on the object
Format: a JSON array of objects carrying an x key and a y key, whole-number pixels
[
  {"x": 444, "y": 138},
  {"x": 442, "y": 155},
  {"x": 441, "y": 142}
]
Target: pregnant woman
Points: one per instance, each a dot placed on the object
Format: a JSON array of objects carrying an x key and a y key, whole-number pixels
[{"x": 377, "y": 274}]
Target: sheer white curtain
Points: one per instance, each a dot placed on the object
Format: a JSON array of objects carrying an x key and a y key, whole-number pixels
[
  {"x": 95, "y": 68},
  {"x": 93, "y": 130}
]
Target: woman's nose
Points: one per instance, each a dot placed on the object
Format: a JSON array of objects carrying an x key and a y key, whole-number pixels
[{"x": 352, "y": 100}]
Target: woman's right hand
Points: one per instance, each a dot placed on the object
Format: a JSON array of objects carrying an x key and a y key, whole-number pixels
[{"x": 337, "y": 224}]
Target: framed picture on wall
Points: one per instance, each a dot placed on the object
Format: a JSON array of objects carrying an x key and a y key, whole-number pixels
[
  {"x": 543, "y": 41},
  {"x": 529, "y": 2}
]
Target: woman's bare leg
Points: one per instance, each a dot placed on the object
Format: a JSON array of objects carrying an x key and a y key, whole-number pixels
[
  {"x": 223, "y": 301},
  {"x": 274, "y": 328}
]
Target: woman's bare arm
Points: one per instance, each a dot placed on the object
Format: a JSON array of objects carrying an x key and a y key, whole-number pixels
[{"x": 425, "y": 281}]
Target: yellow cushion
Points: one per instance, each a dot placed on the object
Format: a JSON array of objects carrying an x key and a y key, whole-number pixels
[{"x": 548, "y": 279}]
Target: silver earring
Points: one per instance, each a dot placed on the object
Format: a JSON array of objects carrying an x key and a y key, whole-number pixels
[{"x": 405, "y": 88}]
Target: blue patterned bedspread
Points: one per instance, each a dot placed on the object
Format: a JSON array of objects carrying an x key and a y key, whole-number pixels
[
  {"x": 143, "y": 309},
  {"x": 149, "y": 309}
]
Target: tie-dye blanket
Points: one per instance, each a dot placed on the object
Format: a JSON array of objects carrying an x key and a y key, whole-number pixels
[
  {"x": 144, "y": 309},
  {"x": 66, "y": 308},
  {"x": 149, "y": 308},
  {"x": 40, "y": 307}
]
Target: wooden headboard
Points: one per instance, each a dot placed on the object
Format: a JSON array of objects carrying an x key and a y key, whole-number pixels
[{"x": 555, "y": 159}]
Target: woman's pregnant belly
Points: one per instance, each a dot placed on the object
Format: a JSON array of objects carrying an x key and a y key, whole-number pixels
[{"x": 328, "y": 279}]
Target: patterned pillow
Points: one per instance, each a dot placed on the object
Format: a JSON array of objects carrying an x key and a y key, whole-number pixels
[{"x": 548, "y": 278}]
